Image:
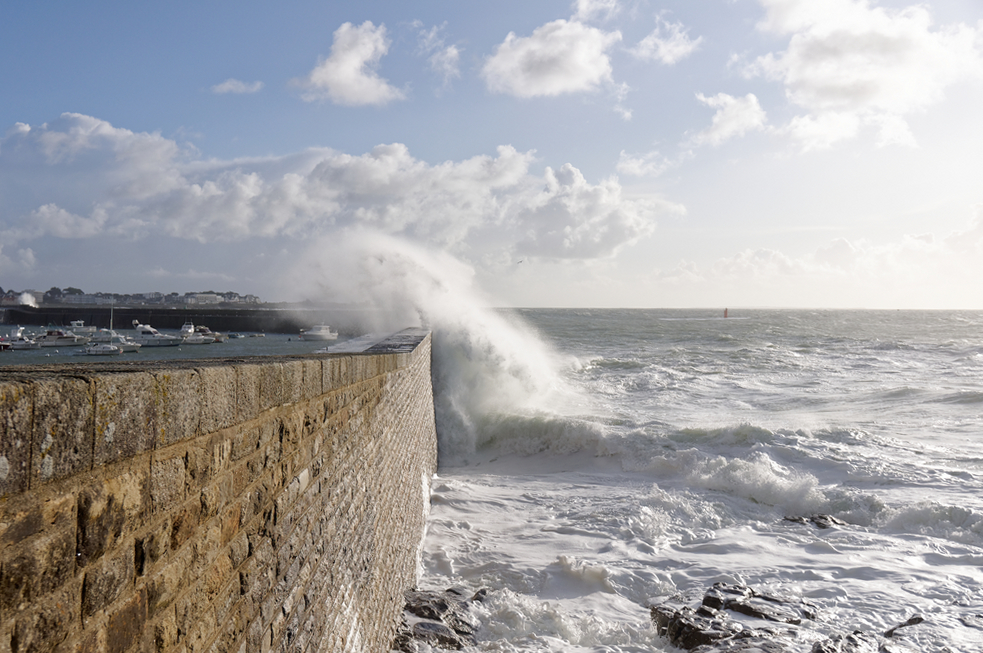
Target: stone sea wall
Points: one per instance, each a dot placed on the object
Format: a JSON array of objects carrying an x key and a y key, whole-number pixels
[{"x": 262, "y": 504}]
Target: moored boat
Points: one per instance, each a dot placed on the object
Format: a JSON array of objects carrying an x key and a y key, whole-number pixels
[
  {"x": 101, "y": 349},
  {"x": 148, "y": 336},
  {"x": 54, "y": 337},
  {"x": 110, "y": 337},
  {"x": 19, "y": 341},
  {"x": 208, "y": 333},
  {"x": 317, "y": 333},
  {"x": 78, "y": 328}
]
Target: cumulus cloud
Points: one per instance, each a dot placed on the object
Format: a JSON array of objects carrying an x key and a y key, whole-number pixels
[
  {"x": 348, "y": 76},
  {"x": 236, "y": 86},
  {"x": 574, "y": 219},
  {"x": 734, "y": 117},
  {"x": 846, "y": 57},
  {"x": 669, "y": 43},
  {"x": 559, "y": 57},
  {"x": 95, "y": 179}
]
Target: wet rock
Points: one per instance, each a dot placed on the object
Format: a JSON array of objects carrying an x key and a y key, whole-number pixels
[
  {"x": 911, "y": 622},
  {"x": 436, "y": 634},
  {"x": 439, "y": 619},
  {"x": 855, "y": 642},
  {"x": 688, "y": 628},
  {"x": 819, "y": 521},
  {"x": 744, "y": 600}
]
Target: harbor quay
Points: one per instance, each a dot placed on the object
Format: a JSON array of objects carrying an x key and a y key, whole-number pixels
[{"x": 272, "y": 503}]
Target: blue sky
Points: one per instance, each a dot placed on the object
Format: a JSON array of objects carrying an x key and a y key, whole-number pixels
[{"x": 595, "y": 153}]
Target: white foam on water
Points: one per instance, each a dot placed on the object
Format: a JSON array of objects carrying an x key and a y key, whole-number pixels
[{"x": 598, "y": 462}]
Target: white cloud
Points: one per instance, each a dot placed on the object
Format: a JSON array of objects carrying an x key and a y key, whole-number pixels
[
  {"x": 235, "y": 86},
  {"x": 924, "y": 269},
  {"x": 669, "y": 43},
  {"x": 822, "y": 131},
  {"x": 140, "y": 186},
  {"x": 650, "y": 164},
  {"x": 574, "y": 219},
  {"x": 734, "y": 117},
  {"x": 560, "y": 57},
  {"x": 444, "y": 59},
  {"x": 348, "y": 76},
  {"x": 879, "y": 64},
  {"x": 56, "y": 221},
  {"x": 585, "y": 10},
  {"x": 446, "y": 62}
]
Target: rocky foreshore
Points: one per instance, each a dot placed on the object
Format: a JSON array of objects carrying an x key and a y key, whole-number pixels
[
  {"x": 770, "y": 624},
  {"x": 440, "y": 619}
]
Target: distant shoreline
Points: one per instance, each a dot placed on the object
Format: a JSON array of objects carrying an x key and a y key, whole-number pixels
[{"x": 270, "y": 318}]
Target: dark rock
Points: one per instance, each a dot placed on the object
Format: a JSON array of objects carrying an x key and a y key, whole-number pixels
[
  {"x": 855, "y": 642},
  {"x": 744, "y": 600},
  {"x": 911, "y": 622},
  {"x": 440, "y": 619},
  {"x": 709, "y": 629},
  {"x": 820, "y": 521},
  {"x": 436, "y": 634}
]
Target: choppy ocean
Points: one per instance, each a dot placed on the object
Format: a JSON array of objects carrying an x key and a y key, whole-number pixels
[{"x": 594, "y": 463}]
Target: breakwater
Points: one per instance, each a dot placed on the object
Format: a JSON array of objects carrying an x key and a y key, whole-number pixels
[{"x": 260, "y": 504}]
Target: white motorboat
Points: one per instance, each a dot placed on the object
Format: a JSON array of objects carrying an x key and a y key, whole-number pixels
[
  {"x": 197, "y": 339},
  {"x": 101, "y": 349},
  {"x": 317, "y": 333},
  {"x": 17, "y": 340},
  {"x": 148, "y": 336},
  {"x": 208, "y": 333},
  {"x": 110, "y": 337},
  {"x": 60, "y": 338},
  {"x": 78, "y": 328},
  {"x": 191, "y": 336}
]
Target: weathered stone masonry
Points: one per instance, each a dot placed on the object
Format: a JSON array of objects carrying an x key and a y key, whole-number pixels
[{"x": 273, "y": 504}]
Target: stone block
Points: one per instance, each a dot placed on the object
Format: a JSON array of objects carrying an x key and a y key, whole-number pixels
[
  {"x": 105, "y": 580},
  {"x": 245, "y": 441},
  {"x": 293, "y": 382},
  {"x": 126, "y": 624},
  {"x": 151, "y": 547},
  {"x": 179, "y": 405},
  {"x": 215, "y": 496},
  {"x": 165, "y": 632},
  {"x": 125, "y": 416},
  {"x": 62, "y": 437},
  {"x": 28, "y": 515},
  {"x": 167, "y": 481},
  {"x": 16, "y": 408},
  {"x": 46, "y": 624},
  {"x": 272, "y": 386},
  {"x": 184, "y": 523},
  {"x": 219, "y": 402},
  {"x": 168, "y": 583},
  {"x": 313, "y": 379},
  {"x": 198, "y": 464},
  {"x": 247, "y": 391},
  {"x": 110, "y": 509},
  {"x": 37, "y": 567}
]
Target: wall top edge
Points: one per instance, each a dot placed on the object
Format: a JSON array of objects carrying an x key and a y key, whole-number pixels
[{"x": 401, "y": 342}]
